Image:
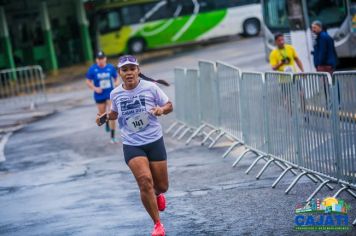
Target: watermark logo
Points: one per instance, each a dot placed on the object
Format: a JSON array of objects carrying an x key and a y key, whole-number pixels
[{"x": 327, "y": 214}]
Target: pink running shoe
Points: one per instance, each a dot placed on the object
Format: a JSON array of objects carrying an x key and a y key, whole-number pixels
[
  {"x": 161, "y": 202},
  {"x": 158, "y": 230}
]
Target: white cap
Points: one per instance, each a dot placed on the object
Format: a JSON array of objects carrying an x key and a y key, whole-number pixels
[{"x": 127, "y": 60}]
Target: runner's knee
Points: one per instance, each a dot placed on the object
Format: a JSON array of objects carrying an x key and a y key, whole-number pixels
[
  {"x": 161, "y": 188},
  {"x": 145, "y": 183}
]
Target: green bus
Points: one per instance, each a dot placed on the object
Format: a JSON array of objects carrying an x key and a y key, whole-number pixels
[{"x": 138, "y": 25}]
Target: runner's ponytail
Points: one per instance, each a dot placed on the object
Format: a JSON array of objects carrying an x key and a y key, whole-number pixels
[{"x": 159, "y": 81}]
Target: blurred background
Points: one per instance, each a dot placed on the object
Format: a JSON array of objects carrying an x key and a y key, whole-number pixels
[{"x": 58, "y": 34}]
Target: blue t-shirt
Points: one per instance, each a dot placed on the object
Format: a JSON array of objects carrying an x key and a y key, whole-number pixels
[
  {"x": 102, "y": 77},
  {"x": 137, "y": 126}
]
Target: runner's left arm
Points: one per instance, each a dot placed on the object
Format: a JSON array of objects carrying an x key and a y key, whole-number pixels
[
  {"x": 163, "y": 110},
  {"x": 163, "y": 105}
]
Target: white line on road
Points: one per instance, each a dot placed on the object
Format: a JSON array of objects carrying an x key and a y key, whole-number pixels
[{"x": 2, "y": 146}]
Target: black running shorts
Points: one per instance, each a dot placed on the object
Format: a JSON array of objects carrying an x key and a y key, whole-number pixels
[{"x": 154, "y": 151}]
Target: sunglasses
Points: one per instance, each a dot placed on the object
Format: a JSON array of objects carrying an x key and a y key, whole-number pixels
[{"x": 124, "y": 59}]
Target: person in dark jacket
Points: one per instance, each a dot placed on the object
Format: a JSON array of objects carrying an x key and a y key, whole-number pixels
[{"x": 325, "y": 58}]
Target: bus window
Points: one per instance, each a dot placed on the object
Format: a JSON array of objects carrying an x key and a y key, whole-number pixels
[
  {"x": 330, "y": 12},
  {"x": 275, "y": 15},
  {"x": 109, "y": 21},
  {"x": 222, "y": 3},
  {"x": 296, "y": 16},
  {"x": 186, "y": 6},
  {"x": 234, "y": 3},
  {"x": 206, "y": 6},
  {"x": 131, "y": 14},
  {"x": 156, "y": 11}
]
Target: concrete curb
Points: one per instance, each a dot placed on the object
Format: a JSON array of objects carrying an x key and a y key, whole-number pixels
[{"x": 10, "y": 127}]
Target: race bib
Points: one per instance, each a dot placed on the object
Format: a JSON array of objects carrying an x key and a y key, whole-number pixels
[
  {"x": 138, "y": 122},
  {"x": 105, "y": 84}
]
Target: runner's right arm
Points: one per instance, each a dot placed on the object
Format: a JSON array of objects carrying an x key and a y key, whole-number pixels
[
  {"x": 112, "y": 115},
  {"x": 91, "y": 85}
]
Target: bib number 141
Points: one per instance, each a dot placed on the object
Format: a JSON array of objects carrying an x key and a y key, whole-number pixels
[{"x": 138, "y": 122}]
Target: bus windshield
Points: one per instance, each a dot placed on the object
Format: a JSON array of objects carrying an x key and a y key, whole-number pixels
[
  {"x": 275, "y": 15},
  {"x": 330, "y": 12}
]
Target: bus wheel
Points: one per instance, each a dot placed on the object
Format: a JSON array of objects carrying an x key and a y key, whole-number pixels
[
  {"x": 136, "y": 45},
  {"x": 251, "y": 27}
]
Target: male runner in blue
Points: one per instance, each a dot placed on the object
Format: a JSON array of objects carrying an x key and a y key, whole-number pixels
[{"x": 102, "y": 79}]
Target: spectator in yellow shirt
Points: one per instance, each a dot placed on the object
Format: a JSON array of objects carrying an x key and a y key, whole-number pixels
[{"x": 284, "y": 57}]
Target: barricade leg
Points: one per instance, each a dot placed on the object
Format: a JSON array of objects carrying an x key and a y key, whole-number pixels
[
  {"x": 340, "y": 191},
  {"x": 312, "y": 178},
  {"x": 318, "y": 189},
  {"x": 254, "y": 163},
  {"x": 322, "y": 180},
  {"x": 178, "y": 131},
  {"x": 235, "y": 144},
  {"x": 171, "y": 127},
  {"x": 351, "y": 192},
  {"x": 195, "y": 134},
  {"x": 280, "y": 165},
  {"x": 184, "y": 133},
  {"x": 264, "y": 168},
  {"x": 295, "y": 181},
  {"x": 284, "y": 167},
  {"x": 344, "y": 188},
  {"x": 208, "y": 136},
  {"x": 242, "y": 155},
  {"x": 222, "y": 133},
  {"x": 290, "y": 168}
]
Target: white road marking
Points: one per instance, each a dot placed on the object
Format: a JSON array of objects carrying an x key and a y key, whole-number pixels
[{"x": 2, "y": 146}]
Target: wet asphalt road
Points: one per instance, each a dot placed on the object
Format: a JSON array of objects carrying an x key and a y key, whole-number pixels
[{"x": 63, "y": 177}]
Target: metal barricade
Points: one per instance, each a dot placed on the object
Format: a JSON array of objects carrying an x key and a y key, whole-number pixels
[
  {"x": 305, "y": 123},
  {"x": 314, "y": 123},
  {"x": 229, "y": 102},
  {"x": 180, "y": 100},
  {"x": 190, "y": 105},
  {"x": 253, "y": 111},
  {"x": 23, "y": 86},
  {"x": 345, "y": 98},
  {"x": 229, "y": 99},
  {"x": 281, "y": 119},
  {"x": 314, "y": 128},
  {"x": 179, "y": 80},
  {"x": 209, "y": 97},
  {"x": 280, "y": 123},
  {"x": 193, "y": 116},
  {"x": 209, "y": 102},
  {"x": 253, "y": 118}
]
